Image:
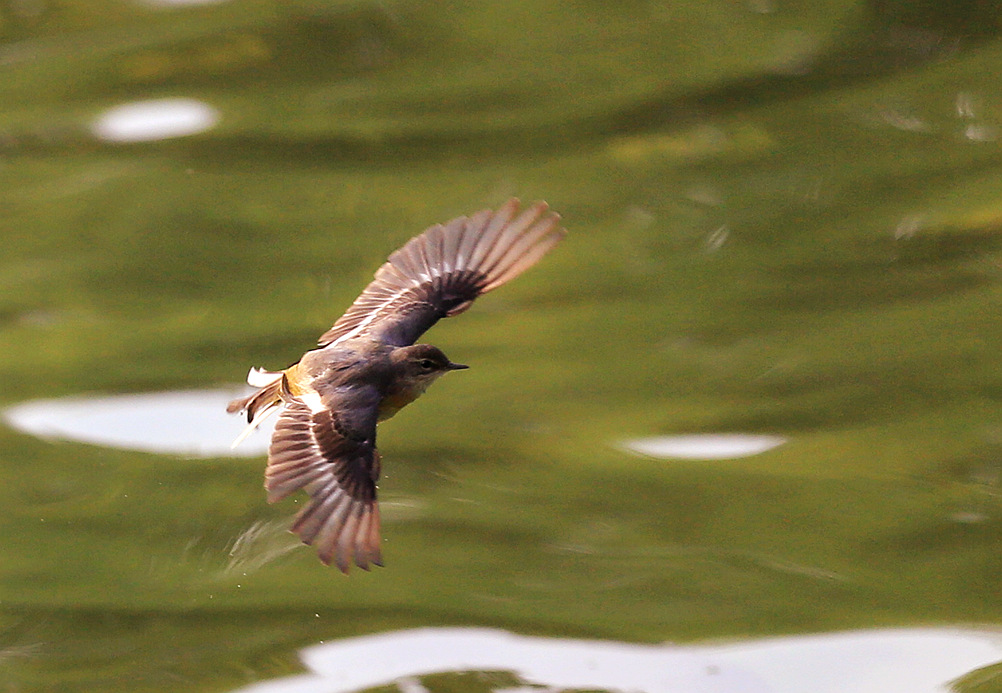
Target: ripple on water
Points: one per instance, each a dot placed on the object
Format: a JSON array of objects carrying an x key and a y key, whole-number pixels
[
  {"x": 914, "y": 660},
  {"x": 192, "y": 423}
]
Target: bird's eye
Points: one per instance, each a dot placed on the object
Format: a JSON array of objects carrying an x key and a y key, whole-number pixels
[{"x": 426, "y": 364}]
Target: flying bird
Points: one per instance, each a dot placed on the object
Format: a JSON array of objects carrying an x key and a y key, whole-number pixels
[{"x": 368, "y": 367}]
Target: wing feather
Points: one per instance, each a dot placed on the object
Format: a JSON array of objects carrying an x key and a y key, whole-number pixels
[
  {"x": 338, "y": 472},
  {"x": 509, "y": 237},
  {"x": 469, "y": 231},
  {"x": 520, "y": 259},
  {"x": 441, "y": 272}
]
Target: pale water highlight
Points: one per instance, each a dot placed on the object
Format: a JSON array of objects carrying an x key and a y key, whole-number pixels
[
  {"x": 710, "y": 446},
  {"x": 157, "y": 119},
  {"x": 191, "y": 423},
  {"x": 921, "y": 660}
]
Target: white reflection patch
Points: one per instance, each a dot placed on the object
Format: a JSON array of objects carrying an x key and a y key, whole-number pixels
[
  {"x": 159, "y": 119},
  {"x": 191, "y": 424},
  {"x": 711, "y": 446},
  {"x": 913, "y": 660}
]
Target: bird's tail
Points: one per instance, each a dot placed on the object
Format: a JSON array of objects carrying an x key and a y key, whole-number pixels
[{"x": 258, "y": 405}]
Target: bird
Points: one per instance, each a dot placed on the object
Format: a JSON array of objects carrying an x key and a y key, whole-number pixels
[{"x": 368, "y": 366}]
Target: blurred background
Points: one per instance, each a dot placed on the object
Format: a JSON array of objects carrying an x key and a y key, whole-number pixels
[{"x": 785, "y": 220}]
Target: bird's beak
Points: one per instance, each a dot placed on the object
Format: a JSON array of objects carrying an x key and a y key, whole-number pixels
[{"x": 456, "y": 366}]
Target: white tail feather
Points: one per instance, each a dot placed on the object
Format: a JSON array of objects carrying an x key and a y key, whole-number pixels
[
  {"x": 259, "y": 377},
  {"x": 261, "y": 416}
]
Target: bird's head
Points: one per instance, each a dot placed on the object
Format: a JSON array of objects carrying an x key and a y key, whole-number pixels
[{"x": 423, "y": 363}]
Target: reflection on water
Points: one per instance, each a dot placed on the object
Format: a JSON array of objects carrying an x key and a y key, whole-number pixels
[
  {"x": 713, "y": 446},
  {"x": 160, "y": 119},
  {"x": 193, "y": 423},
  {"x": 914, "y": 660}
]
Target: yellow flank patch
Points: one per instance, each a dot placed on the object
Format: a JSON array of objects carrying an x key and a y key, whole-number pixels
[{"x": 295, "y": 381}]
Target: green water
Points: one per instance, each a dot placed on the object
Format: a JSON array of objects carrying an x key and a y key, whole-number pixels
[{"x": 784, "y": 218}]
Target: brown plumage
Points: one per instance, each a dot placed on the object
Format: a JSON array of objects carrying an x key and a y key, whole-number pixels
[{"x": 367, "y": 368}]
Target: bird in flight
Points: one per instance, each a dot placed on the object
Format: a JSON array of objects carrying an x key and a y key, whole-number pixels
[{"x": 368, "y": 367}]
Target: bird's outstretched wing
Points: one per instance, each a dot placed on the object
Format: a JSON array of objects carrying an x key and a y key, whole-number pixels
[
  {"x": 439, "y": 273},
  {"x": 338, "y": 468}
]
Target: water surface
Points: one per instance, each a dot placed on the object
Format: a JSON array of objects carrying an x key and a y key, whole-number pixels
[{"x": 784, "y": 222}]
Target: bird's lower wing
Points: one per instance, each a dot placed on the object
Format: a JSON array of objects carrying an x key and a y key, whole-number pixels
[{"x": 338, "y": 472}]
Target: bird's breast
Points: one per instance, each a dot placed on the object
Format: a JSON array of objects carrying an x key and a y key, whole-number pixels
[{"x": 397, "y": 400}]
